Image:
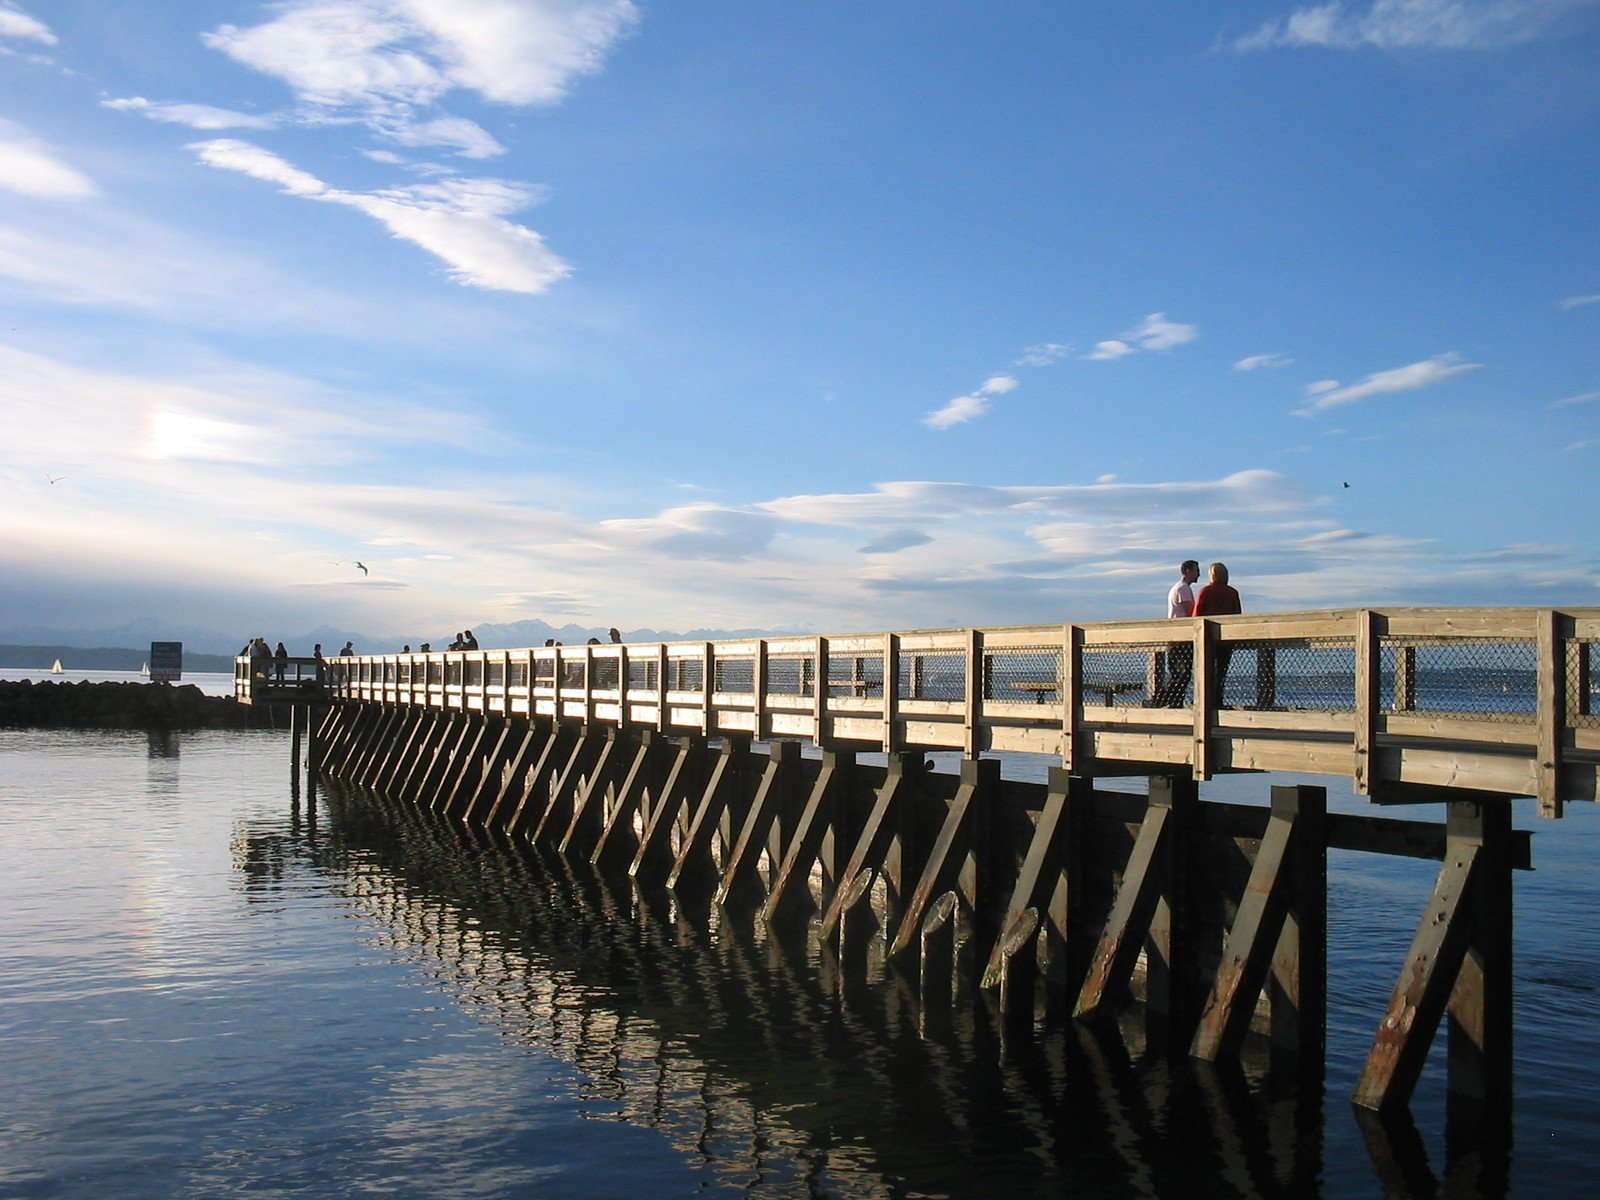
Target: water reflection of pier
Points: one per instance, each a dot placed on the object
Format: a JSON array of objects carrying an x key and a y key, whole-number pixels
[{"x": 763, "y": 1061}]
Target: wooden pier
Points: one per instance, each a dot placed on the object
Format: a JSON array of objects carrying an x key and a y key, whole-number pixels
[{"x": 787, "y": 781}]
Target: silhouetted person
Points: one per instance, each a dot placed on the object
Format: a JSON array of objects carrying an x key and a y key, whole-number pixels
[
  {"x": 1180, "y": 655},
  {"x": 615, "y": 636},
  {"x": 349, "y": 648},
  {"x": 280, "y": 661},
  {"x": 468, "y": 642},
  {"x": 1217, "y": 599}
]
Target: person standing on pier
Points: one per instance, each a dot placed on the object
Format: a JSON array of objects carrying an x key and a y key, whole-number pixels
[
  {"x": 280, "y": 661},
  {"x": 1218, "y": 599},
  {"x": 1180, "y": 655}
]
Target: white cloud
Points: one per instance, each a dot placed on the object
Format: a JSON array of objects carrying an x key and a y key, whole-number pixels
[
  {"x": 460, "y": 221},
  {"x": 1155, "y": 332},
  {"x": 195, "y": 116},
  {"x": 1400, "y": 379},
  {"x": 1043, "y": 355},
  {"x": 1579, "y": 301},
  {"x": 1414, "y": 24},
  {"x": 1108, "y": 350},
  {"x": 1256, "y": 362},
  {"x": 998, "y": 385},
  {"x": 467, "y": 138},
  {"x": 956, "y": 411},
  {"x": 1574, "y": 401},
  {"x": 376, "y": 54},
  {"x": 29, "y": 168},
  {"x": 15, "y": 23}
]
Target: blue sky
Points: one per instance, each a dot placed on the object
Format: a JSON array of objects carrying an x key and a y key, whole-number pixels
[{"x": 804, "y": 317}]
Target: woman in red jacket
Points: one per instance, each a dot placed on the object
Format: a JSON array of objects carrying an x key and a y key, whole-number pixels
[{"x": 1217, "y": 599}]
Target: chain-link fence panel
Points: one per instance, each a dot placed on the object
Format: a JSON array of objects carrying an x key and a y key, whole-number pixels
[
  {"x": 1318, "y": 674},
  {"x": 1023, "y": 674},
  {"x": 791, "y": 674},
  {"x": 607, "y": 672},
  {"x": 644, "y": 674},
  {"x": 1583, "y": 687},
  {"x": 858, "y": 675},
  {"x": 734, "y": 674},
  {"x": 1138, "y": 676},
  {"x": 685, "y": 675},
  {"x": 935, "y": 676},
  {"x": 1489, "y": 679}
]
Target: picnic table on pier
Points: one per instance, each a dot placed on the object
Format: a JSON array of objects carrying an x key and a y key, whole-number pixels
[{"x": 1043, "y": 689}]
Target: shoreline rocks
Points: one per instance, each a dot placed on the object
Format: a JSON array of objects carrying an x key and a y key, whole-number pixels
[{"x": 118, "y": 705}]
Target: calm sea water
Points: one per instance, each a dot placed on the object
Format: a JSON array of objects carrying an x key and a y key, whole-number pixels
[{"x": 211, "y": 988}]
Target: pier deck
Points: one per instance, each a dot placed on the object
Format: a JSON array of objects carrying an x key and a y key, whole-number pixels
[{"x": 1405, "y": 702}]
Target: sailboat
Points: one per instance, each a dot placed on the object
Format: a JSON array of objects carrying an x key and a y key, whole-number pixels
[
  {"x": 145, "y": 669},
  {"x": 56, "y": 670}
]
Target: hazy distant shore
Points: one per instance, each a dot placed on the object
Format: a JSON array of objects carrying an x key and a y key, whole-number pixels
[{"x": 99, "y": 658}]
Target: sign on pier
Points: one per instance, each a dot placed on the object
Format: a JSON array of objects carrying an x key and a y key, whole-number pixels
[{"x": 166, "y": 662}]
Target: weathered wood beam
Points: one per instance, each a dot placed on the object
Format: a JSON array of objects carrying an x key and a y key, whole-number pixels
[
  {"x": 617, "y": 843},
  {"x": 790, "y": 896},
  {"x": 879, "y": 835},
  {"x": 1141, "y": 912},
  {"x": 1255, "y": 943},
  {"x": 654, "y": 858},
  {"x": 952, "y": 862},
  {"x": 740, "y": 870},
  {"x": 1429, "y": 979},
  {"x": 558, "y": 810},
  {"x": 693, "y": 862},
  {"x": 588, "y": 815}
]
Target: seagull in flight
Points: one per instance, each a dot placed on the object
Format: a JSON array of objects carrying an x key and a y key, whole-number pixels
[
  {"x": 363, "y": 567},
  {"x": 55, "y": 478}
]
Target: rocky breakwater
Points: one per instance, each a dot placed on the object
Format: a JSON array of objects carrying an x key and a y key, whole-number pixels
[{"x": 115, "y": 705}]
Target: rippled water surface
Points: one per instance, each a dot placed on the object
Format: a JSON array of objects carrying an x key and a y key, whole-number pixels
[{"x": 210, "y": 988}]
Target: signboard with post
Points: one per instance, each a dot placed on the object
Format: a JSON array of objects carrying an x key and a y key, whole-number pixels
[{"x": 166, "y": 662}]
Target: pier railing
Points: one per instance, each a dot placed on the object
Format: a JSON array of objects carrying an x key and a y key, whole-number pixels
[{"x": 1402, "y": 701}]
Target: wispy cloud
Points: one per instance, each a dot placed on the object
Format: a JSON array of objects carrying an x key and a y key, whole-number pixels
[
  {"x": 1580, "y": 301},
  {"x": 460, "y": 221},
  {"x": 14, "y": 23},
  {"x": 1328, "y": 393},
  {"x": 972, "y": 405},
  {"x": 195, "y": 116},
  {"x": 1413, "y": 24},
  {"x": 1574, "y": 401},
  {"x": 387, "y": 62},
  {"x": 1258, "y": 362},
  {"x": 30, "y": 168},
  {"x": 1155, "y": 332}
]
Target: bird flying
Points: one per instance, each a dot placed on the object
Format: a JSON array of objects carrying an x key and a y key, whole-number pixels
[{"x": 363, "y": 567}]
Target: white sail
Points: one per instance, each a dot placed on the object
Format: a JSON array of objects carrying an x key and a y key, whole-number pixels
[
  {"x": 56, "y": 670},
  {"x": 145, "y": 669}
]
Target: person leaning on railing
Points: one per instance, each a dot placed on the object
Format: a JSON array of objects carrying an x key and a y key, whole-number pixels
[
  {"x": 1218, "y": 599},
  {"x": 1180, "y": 655}
]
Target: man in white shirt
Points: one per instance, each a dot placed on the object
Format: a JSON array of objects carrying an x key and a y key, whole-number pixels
[
  {"x": 1180, "y": 600},
  {"x": 1180, "y": 655}
]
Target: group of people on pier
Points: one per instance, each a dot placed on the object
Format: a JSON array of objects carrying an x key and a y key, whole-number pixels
[{"x": 1216, "y": 599}]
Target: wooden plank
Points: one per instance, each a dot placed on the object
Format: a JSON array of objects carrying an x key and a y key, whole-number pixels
[
  {"x": 1423, "y": 989},
  {"x": 739, "y": 872},
  {"x": 1549, "y": 685},
  {"x": 1071, "y": 693},
  {"x": 616, "y": 843},
  {"x": 891, "y": 692},
  {"x": 587, "y": 816},
  {"x": 1206, "y": 696},
  {"x": 790, "y": 896},
  {"x": 1147, "y": 886},
  {"x": 1041, "y": 860},
  {"x": 976, "y": 690},
  {"x": 1254, "y": 940},
  {"x": 693, "y": 861},
  {"x": 980, "y": 780},
  {"x": 877, "y": 832},
  {"x": 654, "y": 858}
]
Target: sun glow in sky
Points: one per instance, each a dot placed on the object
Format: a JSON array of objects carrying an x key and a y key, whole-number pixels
[{"x": 799, "y": 317}]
